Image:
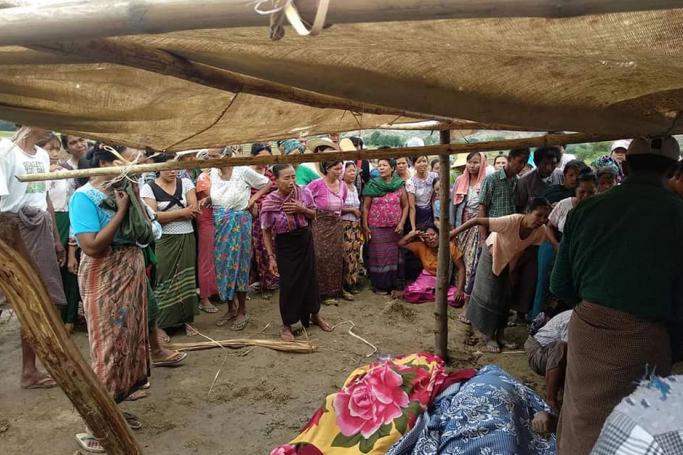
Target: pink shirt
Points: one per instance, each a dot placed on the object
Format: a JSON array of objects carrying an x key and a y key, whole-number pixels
[
  {"x": 273, "y": 217},
  {"x": 325, "y": 199},
  {"x": 386, "y": 211},
  {"x": 506, "y": 244}
]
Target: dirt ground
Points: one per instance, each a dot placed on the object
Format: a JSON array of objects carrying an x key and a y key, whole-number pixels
[{"x": 261, "y": 398}]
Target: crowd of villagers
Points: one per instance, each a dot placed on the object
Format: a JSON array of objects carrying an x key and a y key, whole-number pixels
[{"x": 138, "y": 258}]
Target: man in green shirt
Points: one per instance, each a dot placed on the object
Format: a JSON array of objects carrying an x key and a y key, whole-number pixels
[{"x": 621, "y": 256}]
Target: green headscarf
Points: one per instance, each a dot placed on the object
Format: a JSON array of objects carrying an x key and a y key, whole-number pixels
[{"x": 377, "y": 187}]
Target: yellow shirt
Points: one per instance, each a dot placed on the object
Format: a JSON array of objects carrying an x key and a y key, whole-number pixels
[{"x": 428, "y": 256}]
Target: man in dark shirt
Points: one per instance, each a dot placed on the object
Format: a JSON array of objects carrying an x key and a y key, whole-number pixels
[
  {"x": 535, "y": 183},
  {"x": 621, "y": 256}
]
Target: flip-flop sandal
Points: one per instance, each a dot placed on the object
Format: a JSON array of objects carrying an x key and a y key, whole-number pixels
[
  {"x": 190, "y": 331},
  {"x": 89, "y": 443},
  {"x": 208, "y": 309},
  {"x": 493, "y": 347},
  {"x": 146, "y": 386},
  {"x": 171, "y": 361},
  {"x": 464, "y": 320},
  {"x": 137, "y": 395},
  {"x": 132, "y": 421},
  {"x": 165, "y": 339},
  {"x": 46, "y": 382},
  {"x": 240, "y": 325},
  {"x": 225, "y": 319},
  {"x": 509, "y": 345}
]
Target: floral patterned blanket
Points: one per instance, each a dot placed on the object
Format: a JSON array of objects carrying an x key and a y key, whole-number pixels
[{"x": 376, "y": 406}]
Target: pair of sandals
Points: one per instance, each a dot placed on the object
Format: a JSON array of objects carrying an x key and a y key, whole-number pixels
[
  {"x": 494, "y": 346},
  {"x": 88, "y": 442},
  {"x": 237, "y": 325}
]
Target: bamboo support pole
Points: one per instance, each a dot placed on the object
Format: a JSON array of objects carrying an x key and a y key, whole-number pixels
[
  {"x": 54, "y": 21},
  {"x": 444, "y": 255},
  {"x": 44, "y": 330},
  {"x": 439, "y": 149},
  {"x": 163, "y": 62},
  {"x": 436, "y": 125}
]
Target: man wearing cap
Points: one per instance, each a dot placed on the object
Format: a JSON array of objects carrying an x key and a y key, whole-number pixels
[{"x": 621, "y": 257}]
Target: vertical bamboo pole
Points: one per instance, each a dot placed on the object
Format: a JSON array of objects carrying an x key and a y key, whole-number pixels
[
  {"x": 441, "y": 313},
  {"x": 44, "y": 330}
]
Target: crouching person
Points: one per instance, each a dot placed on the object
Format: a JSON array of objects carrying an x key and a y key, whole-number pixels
[{"x": 547, "y": 352}]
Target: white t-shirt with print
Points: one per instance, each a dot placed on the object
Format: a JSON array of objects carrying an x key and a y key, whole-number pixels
[
  {"x": 178, "y": 226},
  {"x": 15, "y": 162}
]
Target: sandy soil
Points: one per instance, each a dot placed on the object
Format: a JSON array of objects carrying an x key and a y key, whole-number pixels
[{"x": 261, "y": 398}]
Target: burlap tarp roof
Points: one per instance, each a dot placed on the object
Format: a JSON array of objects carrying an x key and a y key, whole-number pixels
[{"x": 609, "y": 74}]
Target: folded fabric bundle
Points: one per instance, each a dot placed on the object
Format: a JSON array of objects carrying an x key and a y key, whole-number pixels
[{"x": 377, "y": 405}]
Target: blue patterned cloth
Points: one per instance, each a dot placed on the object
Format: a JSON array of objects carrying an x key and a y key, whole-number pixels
[{"x": 490, "y": 414}]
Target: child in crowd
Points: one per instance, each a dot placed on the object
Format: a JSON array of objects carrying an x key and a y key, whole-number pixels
[
  {"x": 425, "y": 245},
  {"x": 436, "y": 201}
]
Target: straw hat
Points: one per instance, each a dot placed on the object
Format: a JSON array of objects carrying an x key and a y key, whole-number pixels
[{"x": 322, "y": 142}]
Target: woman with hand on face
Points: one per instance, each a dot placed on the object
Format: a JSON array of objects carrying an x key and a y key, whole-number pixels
[
  {"x": 114, "y": 290},
  {"x": 174, "y": 201},
  {"x": 231, "y": 201},
  {"x": 353, "y": 238},
  {"x": 329, "y": 194},
  {"x": 385, "y": 211},
  {"x": 285, "y": 218}
]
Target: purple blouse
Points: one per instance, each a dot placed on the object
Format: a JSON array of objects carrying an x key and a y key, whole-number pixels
[
  {"x": 325, "y": 199},
  {"x": 273, "y": 217}
]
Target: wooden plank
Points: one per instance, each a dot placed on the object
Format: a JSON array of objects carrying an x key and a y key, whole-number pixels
[
  {"x": 44, "y": 330},
  {"x": 98, "y": 19},
  {"x": 449, "y": 149},
  {"x": 162, "y": 62},
  {"x": 444, "y": 255}
]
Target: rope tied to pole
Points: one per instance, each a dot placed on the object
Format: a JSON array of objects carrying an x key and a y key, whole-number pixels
[{"x": 286, "y": 9}]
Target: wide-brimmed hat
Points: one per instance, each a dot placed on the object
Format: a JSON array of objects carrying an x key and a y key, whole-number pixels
[{"x": 322, "y": 142}]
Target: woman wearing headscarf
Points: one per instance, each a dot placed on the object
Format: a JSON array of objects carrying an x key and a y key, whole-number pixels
[
  {"x": 304, "y": 174},
  {"x": 261, "y": 272},
  {"x": 113, "y": 286},
  {"x": 465, "y": 207},
  {"x": 285, "y": 217},
  {"x": 174, "y": 201},
  {"x": 385, "y": 211},
  {"x": 206, "y": 262},
  {"x": 230, "y": 197},
  {"x": 329, "y": 194}
]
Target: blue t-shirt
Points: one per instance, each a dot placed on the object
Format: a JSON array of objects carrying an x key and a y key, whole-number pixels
[{"x": 87, "y": 216}]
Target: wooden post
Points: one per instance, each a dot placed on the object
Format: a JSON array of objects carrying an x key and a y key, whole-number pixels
[
  {"x": 439, "y": 149},
  {"x": 444, "y": 258},
  {"x": 44, "y": 330}
]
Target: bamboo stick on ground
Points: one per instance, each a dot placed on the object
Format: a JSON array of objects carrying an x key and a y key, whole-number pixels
[
  {"x": 44, "y": 330},
  {"x": 439, "y": 149},
  {"x": 300, "y": 347}
]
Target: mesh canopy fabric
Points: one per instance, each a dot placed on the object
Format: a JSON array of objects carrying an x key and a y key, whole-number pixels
[{"x": 609, "y": 74}]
